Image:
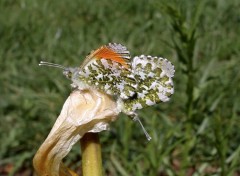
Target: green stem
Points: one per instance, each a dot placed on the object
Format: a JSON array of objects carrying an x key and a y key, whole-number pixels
[
  {"x": 91, "y": 155},
  {"x": 190, "y": 87}
]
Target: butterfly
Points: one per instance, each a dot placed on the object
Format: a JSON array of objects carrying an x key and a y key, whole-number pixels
[{"x": 136, "y": 82}]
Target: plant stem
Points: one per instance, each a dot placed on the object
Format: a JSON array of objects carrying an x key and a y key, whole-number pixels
[{"x": 91, "y": 155}]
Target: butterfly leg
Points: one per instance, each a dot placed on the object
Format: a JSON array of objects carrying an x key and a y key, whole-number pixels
[{"x": 135, "y": 117}]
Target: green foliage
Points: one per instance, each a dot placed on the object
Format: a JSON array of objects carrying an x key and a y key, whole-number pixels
[{"x": 196, "y": 133}]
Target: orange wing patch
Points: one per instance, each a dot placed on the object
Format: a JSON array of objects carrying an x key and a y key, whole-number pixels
[
  {"x": 113, "y": 51},
  {"x": 107, "y": 53}
]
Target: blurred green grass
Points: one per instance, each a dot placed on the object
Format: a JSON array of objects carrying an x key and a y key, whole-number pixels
[{"x": 196, "y": 133}]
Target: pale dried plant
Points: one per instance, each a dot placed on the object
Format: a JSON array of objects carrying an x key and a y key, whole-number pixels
[{"x": 83, "y": 111}]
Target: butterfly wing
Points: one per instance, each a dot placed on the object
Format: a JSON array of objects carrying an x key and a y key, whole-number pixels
[
  {"x": 137, "y": 83},
  {"x": 154, "y": 76},
  {"x": 113, "y": 51},
  {"x": 109, "y": 70}
]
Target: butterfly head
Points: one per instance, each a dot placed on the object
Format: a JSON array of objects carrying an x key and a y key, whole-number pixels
[{"x": 69, "y": 72}]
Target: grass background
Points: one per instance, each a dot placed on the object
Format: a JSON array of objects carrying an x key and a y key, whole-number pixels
[{"x": 196, "y": 133}]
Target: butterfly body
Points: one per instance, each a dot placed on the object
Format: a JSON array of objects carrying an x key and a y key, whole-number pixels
[{"x": 137, "y": 83}]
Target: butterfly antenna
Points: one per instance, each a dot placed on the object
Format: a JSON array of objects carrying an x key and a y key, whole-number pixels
[
  {"x": 136, "y": 118},
  {"x": 49, "y": 64}
]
